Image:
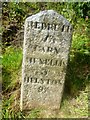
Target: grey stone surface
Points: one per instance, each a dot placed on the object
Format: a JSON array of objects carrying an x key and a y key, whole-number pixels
[{"x": 47, "y": 39}]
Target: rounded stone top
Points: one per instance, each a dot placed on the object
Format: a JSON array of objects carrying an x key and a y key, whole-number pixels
[{"x": 48, "y": 16}]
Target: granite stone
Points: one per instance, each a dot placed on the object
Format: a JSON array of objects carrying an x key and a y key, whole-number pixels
[{"x": 47, "y": 41}]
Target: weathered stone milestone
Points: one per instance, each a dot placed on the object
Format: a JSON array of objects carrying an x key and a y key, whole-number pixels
[{"x": 47, "y": 39}]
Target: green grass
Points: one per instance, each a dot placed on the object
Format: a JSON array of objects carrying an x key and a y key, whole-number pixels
[
  {"x": 12, "y": 60},
  {"x": 11, "y": 73}
]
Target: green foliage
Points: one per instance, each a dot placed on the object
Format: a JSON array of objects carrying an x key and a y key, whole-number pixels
[
  {"x": 82, "y": 9},
  {"x": 14, "y": 14},
  {"x": 12, "y": 60},
  {"x": 81, "y": 44}
]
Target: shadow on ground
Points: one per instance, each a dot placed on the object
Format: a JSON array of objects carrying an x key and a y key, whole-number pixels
[
  {"x": 78, "y": 74},
  {"x": 6, "y": 78}
]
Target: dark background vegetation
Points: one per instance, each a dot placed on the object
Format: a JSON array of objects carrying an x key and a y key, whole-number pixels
[{"x": 78, "y": 72}]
